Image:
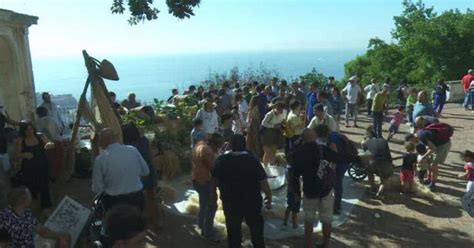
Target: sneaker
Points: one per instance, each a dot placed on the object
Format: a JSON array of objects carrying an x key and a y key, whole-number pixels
[{"x": 432, "y": 186}]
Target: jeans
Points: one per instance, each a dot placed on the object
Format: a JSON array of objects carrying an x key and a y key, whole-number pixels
[
  {"x": 207, "y": 209},
  {"x": 439, "y": 101},
  {"x": 338, "y": 187},
  {"x": 369, "y": 107},
  {"x": 234, "y": 216},
  {"x": 377, "y": 123},
  {"x": 351, "y": 109},
  {"x": 469, "y": 99}
]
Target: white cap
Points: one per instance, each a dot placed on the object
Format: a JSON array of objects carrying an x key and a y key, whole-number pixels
[{"x": 352, "y": 78}]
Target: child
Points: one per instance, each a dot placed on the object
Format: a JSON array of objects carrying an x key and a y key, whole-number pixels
[
  {"x": 293, "y": 203},
  {"x": 468, "y": 157},
  {"x": 423, "y": 163},
  {"x": 407, "y": 173},
  {"x": 197, "y": 134},
  {"x": 397, "y": 118}
]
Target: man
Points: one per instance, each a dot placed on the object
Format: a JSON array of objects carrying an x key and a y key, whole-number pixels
[
  {"x": 115, "y": 104},
  {"x": 336, "y": 142},
  {"x": 380, "y": 163},
  {"x": 174, "y": 93},
  {"x": 126, "y": 227},
  {"x": 241, "y": 179},
  {"x": 305, "y": 161},
  {"x": 439, "y": 145},
  {"x": 321, "y": 117},
  {"x": 261, "y": 101},
  {"x": 298, "y": 94},
  {"x": 424, "y": 121},
  {"x": 466, "y": 83},
  {"x": 52, "y": 110},
  {"x": 117, "y": 172},
  {"x": 311, "y": 100},
  {"x": 352, "y": 92},
  {"x": 379, "y": 108},
  {"x": 370, "y": 90},
  {"x": 329, "y": 85},
  {"x": 131, "y": 102},
  {"x": 46, "y": 125},
  {"x": 274, "y": 86}
]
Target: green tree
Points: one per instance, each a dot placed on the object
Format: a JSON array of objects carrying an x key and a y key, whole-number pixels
[
  {"x": 428, "y": 47},
  {"x": 141, "y": 10}
]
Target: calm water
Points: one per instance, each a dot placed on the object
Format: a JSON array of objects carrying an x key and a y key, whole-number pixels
[{"x": 154, "y": 77}]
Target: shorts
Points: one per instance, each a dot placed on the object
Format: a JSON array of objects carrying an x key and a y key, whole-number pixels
[
  {"x": 383, "y": 169},
  {"x": 470, "y": 186},
  {"x": 407, "y": 176},
  {"x": 293, "y": 204},
  {"x": 272, "y": 137},
  {"x": 441, "y": 153},
  {"x": 393, "y": 128},
  {"x": 324, "y": 207}
]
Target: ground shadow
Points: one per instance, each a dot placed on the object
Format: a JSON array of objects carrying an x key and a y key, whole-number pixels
[{"x": 365, "y": 229}]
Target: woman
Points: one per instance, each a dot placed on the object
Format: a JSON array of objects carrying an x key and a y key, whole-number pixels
[
  {"x": 272, "y": 132},
  {"x": 203, "y": 157},
  {"x": 295, "y": 124},
  {"x": 132, "y": 137},
  {"x": 253, "y": 120},
  {"x": 34, "y": 173},
  {"x": 209, "y": 117},
  {"x": 422, "y": 106},
  {"x": 20, "y": 223}
]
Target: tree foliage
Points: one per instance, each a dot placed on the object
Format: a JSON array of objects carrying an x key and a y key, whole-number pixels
[
  {"x": 144, "y": 10},
  {"x": 429, "y": 47}
]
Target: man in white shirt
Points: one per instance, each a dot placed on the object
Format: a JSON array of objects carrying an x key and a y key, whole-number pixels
[
  {"x": 370, "y": 90},
  {"x": 321, "y": 117},
  {"x": 117, "y": 172},
  {"x": 352, "y": 92},
  {"x": 53, "y": 111}
]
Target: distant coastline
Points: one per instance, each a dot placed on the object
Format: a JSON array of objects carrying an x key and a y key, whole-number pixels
[{"x": 154, "y": 76}]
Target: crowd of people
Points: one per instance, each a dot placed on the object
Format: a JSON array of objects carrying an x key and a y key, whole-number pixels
[{"x": 236, "y": 133}]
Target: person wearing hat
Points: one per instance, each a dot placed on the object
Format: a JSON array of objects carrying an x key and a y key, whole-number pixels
[
  {"x": 352, "y": 92},
  {"x": 379, "y": 108},
  {"x": 466, "y": 82},
  {"x": 209, "y": 117}
]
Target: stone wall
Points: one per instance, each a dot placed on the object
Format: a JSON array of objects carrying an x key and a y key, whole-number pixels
[{"x": 16, "y": 74}]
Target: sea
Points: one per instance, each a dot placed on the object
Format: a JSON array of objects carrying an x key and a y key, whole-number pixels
[{"x": 151, "y": 77}]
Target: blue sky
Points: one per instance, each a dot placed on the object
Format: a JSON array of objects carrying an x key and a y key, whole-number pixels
[{"x": 65, "y": 27}]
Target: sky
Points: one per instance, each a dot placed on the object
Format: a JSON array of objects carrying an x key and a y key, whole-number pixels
[{"x": 65, "y": 27}]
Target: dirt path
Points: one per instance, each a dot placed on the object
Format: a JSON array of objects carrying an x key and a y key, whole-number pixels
[{"x": 404, "y": 221}]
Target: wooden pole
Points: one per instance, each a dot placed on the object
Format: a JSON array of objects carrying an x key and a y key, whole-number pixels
[{"x": 91, "y": 67}]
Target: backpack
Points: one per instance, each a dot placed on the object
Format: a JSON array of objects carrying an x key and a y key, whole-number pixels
[
  {"x": 349, "y": 147},
  {"x": 442, "y": 131},
  {"x": 439, "y": 89},
  {"x": 326, "y": 174}
]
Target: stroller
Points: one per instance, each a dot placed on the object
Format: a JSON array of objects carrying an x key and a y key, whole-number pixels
[{"x": 96, "y": 225}]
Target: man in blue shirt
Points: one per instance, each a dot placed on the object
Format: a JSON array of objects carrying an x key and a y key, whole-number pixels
[
  {"x": 118, "y": 171},
  {"x": 312, "y": 99}
]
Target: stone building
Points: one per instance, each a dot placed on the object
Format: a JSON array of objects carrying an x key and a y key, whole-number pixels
[{"x": 17, "y": 90}]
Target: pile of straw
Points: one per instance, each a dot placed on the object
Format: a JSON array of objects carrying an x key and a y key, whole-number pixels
[{"x": 168, "y": 163}]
